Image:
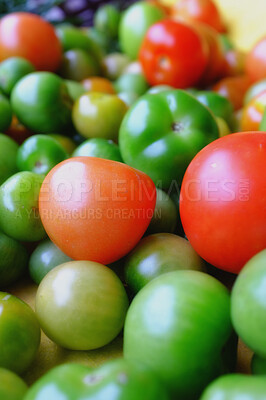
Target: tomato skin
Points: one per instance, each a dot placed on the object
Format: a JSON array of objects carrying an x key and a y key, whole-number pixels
[
  {"x": 256, "y": 61},
  {"x": 253, "y": 113},
  {"x": 29, "y": 36},
  {"x": 234, "y": 89},
  {"x": 169, "y": 52},
  {"x": 222, "y": 204},
  {"x": 106, "y": 193}
]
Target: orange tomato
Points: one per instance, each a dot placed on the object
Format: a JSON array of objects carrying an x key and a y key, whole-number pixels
[
  {"x": 256, "y": 61},
  {"x": 96, "y": 209},
  {"x": 98, "y": 84},
  {"x": 253, "y": 113},
  {"x": 234, "y": 89},
  {"x": 234, "y": 62},
  {"x": 29, "y": 36},
  {"x": 200, "y": 11}
]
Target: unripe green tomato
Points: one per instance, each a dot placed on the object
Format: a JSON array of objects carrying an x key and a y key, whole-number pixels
[
  {"x": 158, "y": 254},
  {"x": 75, "y": 89},
  {"x": 12, "y": 70},
  {"x": 78, "y": 64},
  {"x": 66, "y": 142},
  {"x": 235, "y": 387},
  {"x": 114, "y": 64},
  {"x": 98, "y": 115},
  {"x": 13, "y": 260},
  {"x": 12, "y": 387},
  {"x": 39, "y": 154},
  {"x": 248, "y": 309},
  {"x": 41, "y": 102},
  {"x": 8, "y": 157},
  {"x": 258, "y": 365},
  {"x": 106, "y": 20},
  {"x": 44, "y": 258},
  {"x": 19, "y": 208},
  {"x": 165, "y": 214},
  {"x": 178, "y": 325},
  {"x": 19, "y": 334},
  {"x": 128, "y": 98},
  {"x": 5, "y": 113},
  {"x": 98, "y": 147},
  {"x": 81, "y": 305},
  {"x": 133, "y": 83}
]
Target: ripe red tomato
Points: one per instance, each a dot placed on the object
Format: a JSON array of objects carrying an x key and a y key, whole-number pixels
[
  {"x": 95, "y": 209},
  {"x": 199, "y": 11},
  {"x": 234, "y": 89},
  {"x": 253, "y": 113},
  {"x": 29, "y": 36},
  {"x": 256, "y": 61},
  {"x": 169, "y": 52},
  {"x": 223, "y": 200}
]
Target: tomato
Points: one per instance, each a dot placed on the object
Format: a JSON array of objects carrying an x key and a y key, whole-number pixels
[
  {"x": 114, "y": 64},
  {"x": 98, "y": 115},
  {"x": 13, "y": 261},
  {"x": 5, "y": 113},
  {"x": 234, "y": 89},
  {"x": 254, "y": 90},
  {"x": 131, "y": 33},
  {"x": 223, "y": 127},
  {"x": 234, "y": 62},
  {"x": 17, "y": 131},
  {"x": 165, "y": 214},
  {"x": 204, "y": 11},
  {"x": 44, "y": 258},
  {"x": 72, "y": 317},
  {"x": 156, "y": 255},
  {"x": 41, "y": 46},
  {"x": 256, "y": 61},
  {"x": 75, "y": 89},
  {"x": 106, "y": 20},
  {"x": 79, "y": 64},
  {"x": 248, "y": 306},
  {"x": 253, "y": 113},
  {"x": 8, "y": 157},
  {"x": 169, "y": 52},
  {"x": 12, "y": 386},
  {"x": 178, "y": 325},
  {"x": 98, "y": 147},
  {"x": 11, "y": 71},
  {"x": 98, "y": 84},
  {"x": 19, "y": 334},
  {"x": 132, "y": 83},
  {"x": 258, "y": 365},
  {"x": 66, "y": 142},
  {"x": 235, "y": 386},
  {"x": 19, "y": 213},
  {"x": 108, "y": 202},
  {"x": 222, "y": 203}
]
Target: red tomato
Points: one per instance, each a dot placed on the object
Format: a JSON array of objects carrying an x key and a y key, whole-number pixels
[
  {"x": 199, "y": 11},
  {"x": 223, "y": 200},
  {"x": 29, "y": 36},
  {"x": 253, "y": 113},
  {"x": 169, "y": 53},
  {"x": 234, "y": 89},
  {"x": 95, "y": 209},
  {"x": 256, "y": 61}
]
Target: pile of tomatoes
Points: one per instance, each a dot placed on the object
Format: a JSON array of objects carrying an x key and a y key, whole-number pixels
[{"x": 132, "y": 169}]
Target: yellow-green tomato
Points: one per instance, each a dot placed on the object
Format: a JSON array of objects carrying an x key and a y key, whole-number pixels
[
  {"x": 98, "y": 115},
  {"x": 81, "y": 305},
  {"x": 12, "y": 387},
  {"x": 19, "y": 334}
]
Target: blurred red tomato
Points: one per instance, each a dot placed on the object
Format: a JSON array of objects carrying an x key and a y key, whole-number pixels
[
  {"x": 29, "y": 36},
  {"x": 256, "y": 61},
  {"x": 234, "y": 89},
  {"x": 169, "y": 53},
  {"x": 253, "y": 113}
]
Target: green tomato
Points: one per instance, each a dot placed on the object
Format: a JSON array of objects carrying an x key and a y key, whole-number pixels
[
  {"x": 114, "y": 64},
  {"x": 19, "y": 212},
  {"x": 254, "y": 90},
  {"x": 64, "y": 382},
  {"x": 44, "y": 258},
  {"x": 19, "y": 334},
  {"x": 219, "y": 105},
  {"x": 133, "y": 83},
  {"x": 98, "y": 147},
  {"x": 236, "y": 387},
  {"x": 39, "y": 154},
  {"x": 165, "y": 214},
  {"x": 100, "y": 39},
  {"x": 161, "y": 133},
  {"x": 41, "y": 102},
  {"x": 128, "y": 98},
  {"x": 248, "y": 308},
  {"x": 5, "y": 113},
  {"x": 178, "y": 325},
  {"x": 106, "y": 20},
  {"x": 81, "y": 305},
  {"x": 157, "y": 254},
  {"x": 258, "y": 365},
  {"x": 75, "y": 89},
  {"x": 66, "y": 142},
  {"x": 13, "y": 260},
  {"x": 78, "y": 64},
  {"x": 98, "y": 115},
  {"x": 8, "y": 157},
  {"x": 159, "y": 88},
  {"x": 74, "y": 38},
  {"x": 11, "y": 71},
  {"x": 12, "y": 387},
  {"x": 134, "y": 23}
]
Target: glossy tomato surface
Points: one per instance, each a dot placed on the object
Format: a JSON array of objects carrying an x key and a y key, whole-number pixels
[
  {"x": 253, "y": 113},
  {"x": 95, "y": 209},
  {"x": 169, "y": 52},
  {"x": 256, "y": 61},
  {"x": 29, "y": 36},
  {"x": 222, "y": 204}
]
